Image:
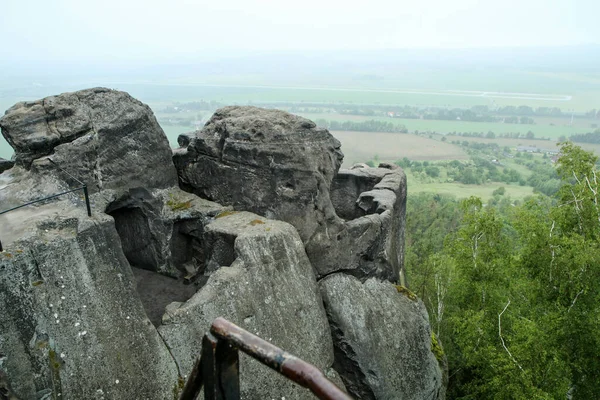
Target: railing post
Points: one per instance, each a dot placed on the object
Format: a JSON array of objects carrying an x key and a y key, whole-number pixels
[
  {"x": 87, "y": 200},
  {"x": 220, "y": 369}
]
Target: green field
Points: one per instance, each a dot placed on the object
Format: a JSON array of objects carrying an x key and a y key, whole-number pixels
[
  {"x": 359, "y": 147},
  {"x": 461, "y": 190},
  {"x": 445, "y": 127},
  {"x": 396, "y": 82}
]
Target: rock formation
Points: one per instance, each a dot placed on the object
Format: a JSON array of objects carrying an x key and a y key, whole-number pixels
[
  {"x": 5, "y": 164},
  {"x": 282, "y": 166},
  {"x": 103, "y": 137},
  {"x": 375, "y": 361},
  {"x": 267, "y": 232}
]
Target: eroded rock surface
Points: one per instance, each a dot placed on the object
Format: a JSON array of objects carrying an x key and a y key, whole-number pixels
[
  {"x": 162, "y": 230},
  {"x": 103, "y": 137},
  {"x": 281, "y": 166},
  {"x": 71, "y": 324},
  {"x": 266, "y": 161},
  {"x": 370, "y": 242},
  {"x": 269, "y": 289},
  {"x": 382, "y": 340}
]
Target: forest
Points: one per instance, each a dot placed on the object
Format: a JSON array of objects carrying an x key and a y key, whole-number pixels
[{"x": 512, "y": 289}]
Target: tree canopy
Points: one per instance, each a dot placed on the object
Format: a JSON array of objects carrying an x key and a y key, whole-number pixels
[{"x": 513, "y": 292}]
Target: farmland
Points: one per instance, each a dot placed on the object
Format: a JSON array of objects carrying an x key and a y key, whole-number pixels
[
  {"x": 389, "y": 147},
  {"x": 462, "y": 190},
  {"x": 542, "y": 129},
  {"x": 454, "y": 99}
]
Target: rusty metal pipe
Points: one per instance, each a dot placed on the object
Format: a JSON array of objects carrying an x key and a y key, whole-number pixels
[{"x": 299, "y": 371}]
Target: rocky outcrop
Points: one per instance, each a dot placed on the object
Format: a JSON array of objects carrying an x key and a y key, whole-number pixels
[
  {"x": 267, "y": 286},
  {"x": 71, "y": 325},
  {"x": 115, "y": 305},
  {"x": 266, "y": 161},
  {"x": 382, "y": 341},
  {"x": 371, "y": 242},
  {"x": 282, "y": 166},
  {"x": 103, "y": 137},
  {"x": 5, "y": 164}
]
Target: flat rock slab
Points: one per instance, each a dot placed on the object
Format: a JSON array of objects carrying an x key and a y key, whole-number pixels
[{"x": 382, "y": 340}]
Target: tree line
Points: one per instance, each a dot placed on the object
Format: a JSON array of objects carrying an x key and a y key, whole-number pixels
[
  {"x": 363, "y": 126},
  {"x": 513, "y": 289}
]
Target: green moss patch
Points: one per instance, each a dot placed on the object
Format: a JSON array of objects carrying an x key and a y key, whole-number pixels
[
  {"x": 176, "y": 205},
  {"x": 225, "y": 213},
  {"x": 436, "y": 349},
  {"x": 405, "y": 291}
]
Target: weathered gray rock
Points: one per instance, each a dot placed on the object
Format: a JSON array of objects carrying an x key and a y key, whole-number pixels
[
  {"x": 103, "y": 137},
  {"x": 268, "y": 289},
  {"x": 373, "y": 203},
  {"x": 71, "y": 324},
  {"x": 280, "y": 165},
  {"x": 266, "y": 161},
  {"x": 382, "y": 340},
  {"x": 162, "y": 230},
  {"x": 5, "y": 164}
]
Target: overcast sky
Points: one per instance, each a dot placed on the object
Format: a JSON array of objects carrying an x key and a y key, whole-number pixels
[{"x": 143, "y": 30}]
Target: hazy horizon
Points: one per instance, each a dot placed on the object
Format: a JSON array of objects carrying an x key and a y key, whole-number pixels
[
  {"x": 139, "y": 32},
  {"x": 324, "y": 51}
]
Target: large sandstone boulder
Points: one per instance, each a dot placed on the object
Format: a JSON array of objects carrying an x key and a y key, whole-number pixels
[
  {"x": 382, "y": 340},
  {"x": 267, "y": 286},
  {"x": 266, "y": 161},
  {"x": 282, "y": 166},
  {"x": 103, "y": 137},
  {"x": 71, "y": 324}
]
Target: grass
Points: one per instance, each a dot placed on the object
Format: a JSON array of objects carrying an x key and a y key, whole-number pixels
[
  {"x": 364, "y": 146},
  {"x": 461, "y": 190}
]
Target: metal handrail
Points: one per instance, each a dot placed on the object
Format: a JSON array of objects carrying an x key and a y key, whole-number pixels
[
  {"x": 217, "y": 369},
  {"x": 82, "y": 187}
]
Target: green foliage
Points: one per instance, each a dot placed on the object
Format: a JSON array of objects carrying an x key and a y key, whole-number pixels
[
  {"x": 514, "y": 291},
  {"x": 176, "y": 204},
  {"x": 179, "y": 205},
  {"x": 225, "y": 213},
  {"x": 404, "y": 163},
  {"x": 363, "y": 126},
  {"x": 499, "y": 192},
  {"x": 432, "y": 171}
]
